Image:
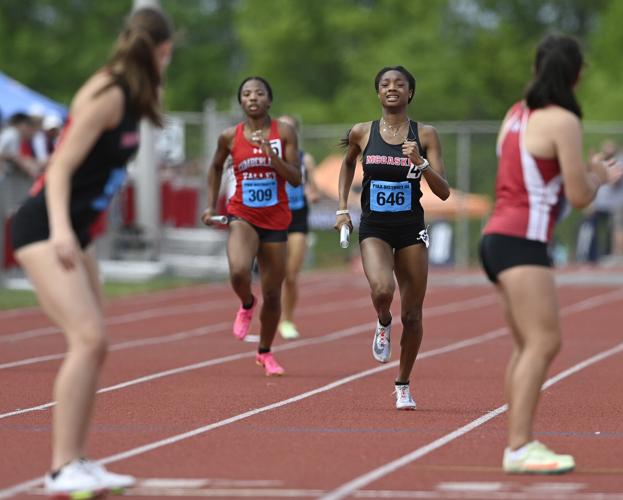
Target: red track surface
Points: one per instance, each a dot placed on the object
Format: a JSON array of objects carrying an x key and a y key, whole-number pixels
[{"x": 328, "y": 429}]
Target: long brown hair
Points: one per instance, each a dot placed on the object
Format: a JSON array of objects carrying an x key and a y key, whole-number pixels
[{"x": 133, "y": 61}]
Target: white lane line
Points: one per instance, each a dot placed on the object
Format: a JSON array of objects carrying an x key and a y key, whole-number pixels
[
  {"x": 123, "y": 318},
  {"x": 28, "y": 485},
  {"x": 340, "y": 334},
  {"x": 129, "y": 344},
  {"x": 223, "y": 326},
  {"x": 206, "y": 291},
  {"x": 184, "y": 335},
  {"x": 350, "y": 487},
  {"x": 204, "y": 305}
]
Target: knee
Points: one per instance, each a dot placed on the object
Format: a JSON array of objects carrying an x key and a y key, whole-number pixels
[
  {"x": 551, "y": 347},
  {"x": 411, "y": 319},
  {"x": 290, "y": 280},
  {"x": 382, "y": 292},
  {"x": 271, "y": 297},
  {"x": 547, "y": 346},
  {"x": 90, "y": 340},
  {"x": 239, "y": 277}
]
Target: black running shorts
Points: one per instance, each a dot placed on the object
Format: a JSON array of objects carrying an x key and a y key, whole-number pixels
[{"x": 499, "y": 252}]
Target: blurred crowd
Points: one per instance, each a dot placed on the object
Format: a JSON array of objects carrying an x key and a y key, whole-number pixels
[
  {"x": 600, "y": 235},
  {"x": 26, "y": 143}
]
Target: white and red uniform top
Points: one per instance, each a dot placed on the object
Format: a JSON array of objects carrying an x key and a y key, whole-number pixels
[
  {"x": 260, "y": 197},
  {"x": 528, "y": 190}
]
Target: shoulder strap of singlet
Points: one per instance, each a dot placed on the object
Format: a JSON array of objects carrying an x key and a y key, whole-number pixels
[
  {"x": 238, "y": 135},
  {"x": 274, "y": 127},
  {"x": 414, "y": 134},
  {"x": 373, "y": 137}
]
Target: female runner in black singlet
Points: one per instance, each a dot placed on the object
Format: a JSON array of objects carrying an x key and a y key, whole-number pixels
[
  {"x": 396, "y": 153},
  {"x": 52, "y": 233}
]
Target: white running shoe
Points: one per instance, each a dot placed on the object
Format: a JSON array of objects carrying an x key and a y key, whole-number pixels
[
  {"x": 74, "y": 480},
  {"x": 381, "y": 344},
  {"x": 404, "y": 401},
  {"x": 110, "y": 480}
]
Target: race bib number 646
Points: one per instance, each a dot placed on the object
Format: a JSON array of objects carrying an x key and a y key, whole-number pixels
[{"x": 386, "y": 196}]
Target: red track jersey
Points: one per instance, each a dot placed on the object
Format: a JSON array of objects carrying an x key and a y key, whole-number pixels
[
  {"x": 260, "y": 197},
  {"x": 528, "y": 190}
]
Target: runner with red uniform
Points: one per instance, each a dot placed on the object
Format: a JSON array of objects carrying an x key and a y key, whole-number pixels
[
  {"x": 265, "y": 156},
  {"x": 540, "y": 150}
]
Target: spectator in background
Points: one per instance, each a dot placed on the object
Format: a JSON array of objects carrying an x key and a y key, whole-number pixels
[
  {"x": 35, "y": 147},
  {"x": 52, "y": 125},
  {"x": 17, "y": 166},
  {"x": 299, "y": 198},
  {"x": 600, "y": 233}
]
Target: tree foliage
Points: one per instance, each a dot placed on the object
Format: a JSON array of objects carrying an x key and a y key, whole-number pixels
[{"x": 471, "y": 58}]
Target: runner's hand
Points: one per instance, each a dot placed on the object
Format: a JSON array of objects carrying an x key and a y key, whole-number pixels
[
  {"x": 206, "y": 217},
  {"x": 340, "y": 220},
  {"x": 67, "y": 250},
  {"x": 410, "y": 150}
]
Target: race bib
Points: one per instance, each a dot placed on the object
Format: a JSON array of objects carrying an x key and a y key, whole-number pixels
[
  {"x": 296, "y": 196},
  {"x": 386, "y": 196},
  {"x": 259, "y": 193}
]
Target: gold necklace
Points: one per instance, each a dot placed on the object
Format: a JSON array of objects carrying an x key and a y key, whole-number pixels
[{"x": 395, "y": 130}]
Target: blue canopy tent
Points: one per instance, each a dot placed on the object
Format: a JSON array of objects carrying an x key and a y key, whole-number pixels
[{"x": 15, "y": 98}]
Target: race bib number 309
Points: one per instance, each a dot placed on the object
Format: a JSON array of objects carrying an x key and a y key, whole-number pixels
[
  {"x": 259, "y": 193},
  {"x": 388, "y": 196}
]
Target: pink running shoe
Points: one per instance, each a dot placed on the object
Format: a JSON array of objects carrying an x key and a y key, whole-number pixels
[
  {"x": 242, "y": 323},
  {"x": 268, "y": 361}
]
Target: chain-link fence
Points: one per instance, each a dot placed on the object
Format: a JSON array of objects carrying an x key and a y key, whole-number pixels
[{"x": 187, "y": 145}]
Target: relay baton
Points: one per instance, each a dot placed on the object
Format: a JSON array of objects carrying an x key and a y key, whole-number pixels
[
  {"x": 220, "y": 219},
  {"x": 344, "y": 236}
]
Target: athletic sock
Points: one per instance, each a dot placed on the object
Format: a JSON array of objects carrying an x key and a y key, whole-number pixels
[
  {"x": 249, "y": 306},
  {"x": 263, "y": 350},
  {"x": 519, "y": 452},
  {"x": 401, "y": 383}
]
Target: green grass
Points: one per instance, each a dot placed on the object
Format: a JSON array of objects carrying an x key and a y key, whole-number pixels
[
  {"x": 10, "y": 299},
  {"x": 328, "y": 254}
]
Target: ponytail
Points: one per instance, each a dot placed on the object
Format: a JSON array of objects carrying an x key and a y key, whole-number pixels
[
  {"x": 134, "y": 65},
  {"x": 557, "y": 68}
]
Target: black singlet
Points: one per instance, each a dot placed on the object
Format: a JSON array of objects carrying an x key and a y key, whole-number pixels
[
  {"x": 391, "y": 184},
  {"x": 94, "y": 183}
]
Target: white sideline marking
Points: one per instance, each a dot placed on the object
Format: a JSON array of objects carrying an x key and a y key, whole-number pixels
[
  {"x": 348, "y": 488},
  {"x": 433, "y": 311},
  {"x": 158, "y": 492},
  {"x": 470, "y": 486}
]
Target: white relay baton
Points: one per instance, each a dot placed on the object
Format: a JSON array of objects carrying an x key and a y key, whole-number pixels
[
  {"x": 344, "y": 236},
  {"x": 220, "y": 219}
]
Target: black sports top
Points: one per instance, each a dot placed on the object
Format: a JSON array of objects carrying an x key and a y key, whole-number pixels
[
  {"x": 102, "y": 173},
  {"x": 93, "y": 184},
  {"x": 391, "y": 183}
]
